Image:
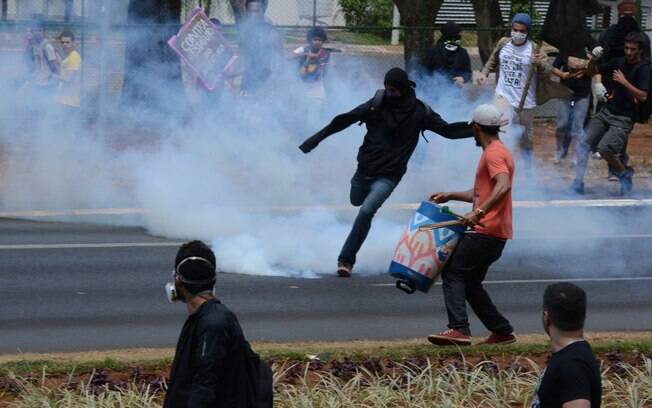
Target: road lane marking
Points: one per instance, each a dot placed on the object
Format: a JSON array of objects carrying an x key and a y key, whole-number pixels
[
  {"x": 8, "y": 247},
  {"x": 98, "y": 245},
  {"x": 525, "y": 281},
  {"x": 338, "y": 207}
]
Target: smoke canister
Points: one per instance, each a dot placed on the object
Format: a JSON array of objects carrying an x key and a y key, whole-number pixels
[{"x": 420, "y": 256}]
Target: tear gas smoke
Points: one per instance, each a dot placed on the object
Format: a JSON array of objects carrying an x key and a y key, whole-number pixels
[{"x": 225, "y": 175}]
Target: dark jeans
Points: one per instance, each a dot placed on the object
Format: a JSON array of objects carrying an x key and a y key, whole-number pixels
[
  {"x": 369, "y": 193},
  {"x": 608, "y": 134},
  {"x": 462, "y": 281}
]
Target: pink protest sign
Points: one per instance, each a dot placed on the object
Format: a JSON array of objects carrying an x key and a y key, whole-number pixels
[{"x": 202, "y": 47}]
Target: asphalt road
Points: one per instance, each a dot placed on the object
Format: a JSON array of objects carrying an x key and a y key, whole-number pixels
[{"x": 72, "y": 286}]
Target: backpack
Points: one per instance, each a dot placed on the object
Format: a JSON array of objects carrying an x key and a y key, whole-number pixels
[
  {"x": 378, "y": 100},
  {"x": 260, "y": 381},
  {"x": 644, "y": 110}
]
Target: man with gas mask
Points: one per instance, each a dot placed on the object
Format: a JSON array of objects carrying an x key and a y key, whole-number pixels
[
  {"x": 394, "y": 117},
  {"x": 512, "y": 58},
  {"x": 448, "y": 58},
  {"x": 213, "y": 363}
]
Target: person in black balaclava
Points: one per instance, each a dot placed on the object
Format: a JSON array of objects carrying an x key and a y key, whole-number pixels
[
  {"x": 612, "y": 40},
  {"x": 394, "y": 117},
  {"x": 448, "y": 57}
]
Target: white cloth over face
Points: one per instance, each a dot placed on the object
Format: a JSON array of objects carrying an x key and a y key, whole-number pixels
[{"x": 515, "y": 61}]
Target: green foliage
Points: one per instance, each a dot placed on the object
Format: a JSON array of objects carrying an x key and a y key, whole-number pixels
[
  {"x": 368, "y": 13},
  {"x": 526, "y": 6}
]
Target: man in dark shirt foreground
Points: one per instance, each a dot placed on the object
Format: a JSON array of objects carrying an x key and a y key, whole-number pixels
[
  {"x": 213, "y": 361},
  {"x": 572, "y": 376},
  {"x": 394, "y": 121}
]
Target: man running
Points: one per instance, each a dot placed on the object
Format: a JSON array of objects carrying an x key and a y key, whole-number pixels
[{"x": 394, "y": 118}]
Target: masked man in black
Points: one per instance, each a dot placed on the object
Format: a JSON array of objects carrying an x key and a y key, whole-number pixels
[
  {"x": 394, "y": 119},
  {"x": 213, "y": 361},
  {"x": 448, "y": 58}
]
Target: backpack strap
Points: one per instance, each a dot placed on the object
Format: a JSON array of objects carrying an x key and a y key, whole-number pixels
[
  {"x": 376, "y": 102},
  {"x": 427, "y": 112}
]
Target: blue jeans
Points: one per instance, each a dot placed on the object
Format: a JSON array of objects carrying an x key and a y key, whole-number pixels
[
  {"x": 570, "y": 122},
  {"x": 368, "y": 193}
]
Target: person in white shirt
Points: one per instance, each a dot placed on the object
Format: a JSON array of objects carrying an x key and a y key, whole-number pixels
[{"x": 512, "y": 58}]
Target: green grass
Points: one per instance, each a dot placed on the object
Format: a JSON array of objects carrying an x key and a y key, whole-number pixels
[
  {"x": 54, "y": 368},
  {"x": 354, "y": 351}
]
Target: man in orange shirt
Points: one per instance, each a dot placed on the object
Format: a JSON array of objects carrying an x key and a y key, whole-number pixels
[{"x": 491, "y": 220}]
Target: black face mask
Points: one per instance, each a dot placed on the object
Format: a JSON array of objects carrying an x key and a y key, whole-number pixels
[{"x": 628, "y": 22}]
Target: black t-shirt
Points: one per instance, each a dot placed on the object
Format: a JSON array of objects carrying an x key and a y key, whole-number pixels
[
  {"x": 620, "y": 101},
  {"x": 572, "y": 373},
  {"x": 581, "y": 87}
]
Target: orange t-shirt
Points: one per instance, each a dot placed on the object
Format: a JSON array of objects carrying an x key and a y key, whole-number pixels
[{"x": 497, "y": 221}]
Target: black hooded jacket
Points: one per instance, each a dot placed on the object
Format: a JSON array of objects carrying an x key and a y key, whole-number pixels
[
  {"x": 209, "y": 368},
  {"x": 448, "y": 63},
  {"x": 392, "y": 133},
  {"x": 613, "y": 39}
]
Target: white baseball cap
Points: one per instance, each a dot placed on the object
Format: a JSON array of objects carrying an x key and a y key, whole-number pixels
[{"x": 488, "y": 115}]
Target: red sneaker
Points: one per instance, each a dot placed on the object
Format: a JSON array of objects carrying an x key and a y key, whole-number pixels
[
  {"x": 450, "y": 337},
  {"x": 495, "y": 339}
]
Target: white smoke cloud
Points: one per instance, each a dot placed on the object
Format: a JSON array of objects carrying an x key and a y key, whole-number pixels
[{"x": 229, "y": 175}]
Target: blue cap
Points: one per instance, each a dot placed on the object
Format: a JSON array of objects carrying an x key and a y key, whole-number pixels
[{"x": 522, "y": 18}]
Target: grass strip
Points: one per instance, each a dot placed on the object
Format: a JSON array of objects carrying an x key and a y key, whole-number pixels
[{"x": 159, "y": 359}]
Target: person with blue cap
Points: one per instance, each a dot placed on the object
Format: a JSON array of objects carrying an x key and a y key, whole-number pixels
[{"x": 512, "y": 59}]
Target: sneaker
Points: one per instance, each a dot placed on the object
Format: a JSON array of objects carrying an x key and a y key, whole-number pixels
[
  {"x": 557, "y": 158},
  {"x": 626, "y": 183},
  {"x": 344, "y": 269},
  {"x": 495, "y": 339},
  {"x": 612, "y": 177},
  {"x": 450, "y": 337},
  {"x": 577, "y": 187},
  {"x": 596, "y": 156}
]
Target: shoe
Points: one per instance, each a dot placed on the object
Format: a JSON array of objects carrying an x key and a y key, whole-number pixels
[
  {"x": 612, "y": 177},
  {"x": 495, "y": 339},
  {"x": 577, "y": 187},
  {"x": 626, "y": 183},
  {"x": 564, "y": 153},
  {"x": 557, "y": 158},
  {"x": 596, "y": 156},
  {"x": 450, "y": 337},
  {"x": 344, "y": 269}
]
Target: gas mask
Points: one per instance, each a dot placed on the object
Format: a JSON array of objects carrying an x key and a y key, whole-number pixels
[
  {"x": 452, "y": 45},
  {"x": 518, "y": 38},
  {"x": 171, "y": 291}
]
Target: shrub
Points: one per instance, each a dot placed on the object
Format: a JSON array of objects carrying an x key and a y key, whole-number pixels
[{"x": 368, "y": 13}]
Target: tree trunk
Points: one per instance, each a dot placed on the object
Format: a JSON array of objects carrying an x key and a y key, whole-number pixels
[
  {"x": 152, "y": 69},
  {"x": 239, "y": 8},
  {"x": 4, "y": 9},
  {"x": 487, "y": 15},
  {"x": 417, "y": 13}
]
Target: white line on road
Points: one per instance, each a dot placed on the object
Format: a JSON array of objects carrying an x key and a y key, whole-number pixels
[
  {"x": 98, "y": 245},
  {"x": 526, "y": 281},
  {"x": 294, "y": 208},
  {"x": 8, "y": 247}
]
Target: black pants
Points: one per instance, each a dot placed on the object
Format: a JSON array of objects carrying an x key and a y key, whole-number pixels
[{"x": 462, "y": 282}]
